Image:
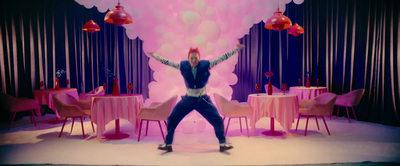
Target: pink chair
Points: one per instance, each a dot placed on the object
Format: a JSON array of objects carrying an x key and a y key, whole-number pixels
[
  {"x": 99, "y": 91},
  {"x": 321, "y": 105},
  {"x": 14, "y": 105},
  {"x": 350, "y": 99},
  {"x": 69, "y": 107},
  {"x": 274, "y": 89},
  {"x": 232, "y": 110},
  {"x": 156, "y": 112}
]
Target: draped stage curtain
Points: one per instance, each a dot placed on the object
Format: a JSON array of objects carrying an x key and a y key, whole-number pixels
[
  {"x": 347, "y": 45},
  {"x": 41, "y": 37}
]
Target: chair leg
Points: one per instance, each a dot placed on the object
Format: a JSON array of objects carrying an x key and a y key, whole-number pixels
[
  {"x": 12, "y": 120},
  {"x": 247, "y": 127},
  {"x": 326, "y": 125},
  {"x": 33, "y": 117},
  {"x": 338, "y": 107},
  {"x": 316, "y": 120},
  {"x": 91, "y": 123},
  {"x": 348, "y": 117},
  {"x": 240, "y": 122},
  {"x": 298, "y": 119},
  {"x": 162, "y": 133},
  {"x": 226, "y": 131},
  {"x": 354, "y": 113},
  {"x": 72, "y": 126},
  {"x": 147, "y": 126},
  {"x": 83, "y": 130},
  {"x": 305, "y": 132},
  {"x": 165, "y": 122},
  {"x": 140, "y": 129},
  {"x": 63, "y": 127}
]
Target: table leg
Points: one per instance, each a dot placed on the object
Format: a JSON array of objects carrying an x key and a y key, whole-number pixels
[
  {"x": 272, "y": 125},
  {"x": 272, "y": 131},
  {"x": 118, "y": 134},
  {"x": 117, "y": 127}
]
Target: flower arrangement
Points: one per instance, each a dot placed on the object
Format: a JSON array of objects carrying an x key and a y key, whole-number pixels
[
  {"x": 109, "y": 73},
  {"x": 60, "y": 72},
  {"x": 269, "y": 74}
]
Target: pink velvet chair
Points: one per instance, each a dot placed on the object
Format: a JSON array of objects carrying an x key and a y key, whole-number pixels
[
  {"x": 320, "y": 106},
  {"x": 156, "y": 112},
  {"x": 274, "y": 89},
  {"x": 350, "y": 99},
  {"x": 99, "y": 91},
  {"x": 69, "y": 107},
  {"x": 232, "y": 109},
  {"x": 14, "y": 105}
]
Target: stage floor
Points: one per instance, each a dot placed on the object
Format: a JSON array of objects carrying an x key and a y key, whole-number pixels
[{"x": 196, "y": 144}]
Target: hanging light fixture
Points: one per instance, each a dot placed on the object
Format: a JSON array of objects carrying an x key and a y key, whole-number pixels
[
  {"x": 278, "y": 21},
  {"x": 91, "y": 26},
  {"x": 118, "y": 16},
  {"x": 296, "y": 30}
]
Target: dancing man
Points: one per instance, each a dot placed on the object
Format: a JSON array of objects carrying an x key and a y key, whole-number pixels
[{"x": 195, "y": 74}]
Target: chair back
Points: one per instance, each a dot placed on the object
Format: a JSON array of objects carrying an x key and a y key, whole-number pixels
[
  {"x": 350, "y": 99},
  {"x": 66, "y": 105},
  {"x": 220, "y": 103},
  {"x": 99, "y": 90},
  {"x": 325, "y": 103},
  {"x": 160, "y": 111},
  {"x": 274, "y": 89},
  {"x": 167, "y": 106}
]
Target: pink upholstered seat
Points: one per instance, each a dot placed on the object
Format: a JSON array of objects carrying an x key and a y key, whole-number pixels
[
  {"x": 232, "y": 110},
  {"x": 69, "y": 107},
  {"x": 350, "y": 99},
  {"x": 99, "y": 91},
  {"x": 14, "y": 105},
  {"x": 156, "y": 112},
  {"x": 320, "y": 106}
]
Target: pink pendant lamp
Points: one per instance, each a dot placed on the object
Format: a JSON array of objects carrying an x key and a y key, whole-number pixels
[
  {"x": 118, "y": 16},
  {"x": 91, "y": 26},
  {"x": 278, "y": 21},
  {"x": 296, "y": 30}
]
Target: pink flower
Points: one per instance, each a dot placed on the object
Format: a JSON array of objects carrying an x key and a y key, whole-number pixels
[{"x": 269, "y": 74}]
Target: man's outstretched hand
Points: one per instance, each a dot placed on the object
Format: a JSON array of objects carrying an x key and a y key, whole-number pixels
[{"x": 240, "y": 46}]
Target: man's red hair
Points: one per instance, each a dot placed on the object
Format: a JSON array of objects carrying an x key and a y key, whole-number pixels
[{"x": 196, "y": 50}]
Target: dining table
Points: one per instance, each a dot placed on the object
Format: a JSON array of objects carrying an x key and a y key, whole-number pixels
[
  {"x": 278, "y": 106},
  {"x": 108, "y": 108},
  {"x": 44, "y": 97},
  {"x": 304, "y": 92}
]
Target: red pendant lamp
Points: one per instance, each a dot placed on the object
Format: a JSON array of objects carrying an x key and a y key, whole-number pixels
[
  {"x": 278, "y": 21},
  {"x": 296, "y": 30},
  {"x": 91, "y": 26},
  {"x": 118, "y": 16}
]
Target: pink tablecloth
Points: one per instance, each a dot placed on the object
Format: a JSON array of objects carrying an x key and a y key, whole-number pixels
[
  {"x": 283, "y": 108},
  {"x": 107, "y": 108},
  {"x": 43, "y": 96},
  {"x": 307, "y": 93}
]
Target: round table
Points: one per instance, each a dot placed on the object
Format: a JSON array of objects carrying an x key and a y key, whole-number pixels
[
  {"x": 107, "y": 108},
  {"x": 279, "y": 106},
  {"x": 303, "y": 92}
]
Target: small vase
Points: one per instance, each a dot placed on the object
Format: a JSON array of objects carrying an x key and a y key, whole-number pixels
[
  {"x": 115, "y": 88},
  {"x": 308, "y": 82},
  {"x": 269, "y": 88},
  {"x": 57, "y": 84}
]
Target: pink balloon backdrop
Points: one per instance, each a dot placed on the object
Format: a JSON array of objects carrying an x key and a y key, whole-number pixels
[{"x": 171, "y": 27}]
